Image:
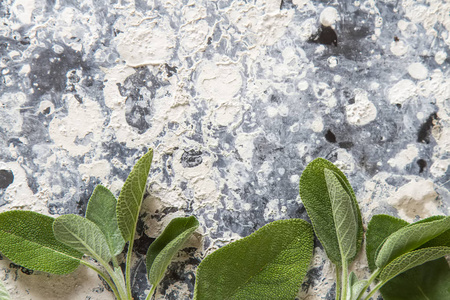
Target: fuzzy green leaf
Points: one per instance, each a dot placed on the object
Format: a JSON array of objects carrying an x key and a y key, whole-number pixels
[
  {"x": 83, "y": 235},
  {"x": 4, "y": 295},
  {"x": 27, "y": 239},
  {"x": 316, "y": 199},
  {"x": 101, "y": 210},
  {"x": 409, "y": 238},
  {"x": 410, "y": 260},
  {"x": 130, "y": 198},
  {"x": 379, "y": 229},
  {"x": 428, "y": 281},
  {"x": 268, "y": 264},
  {"x": 345, "y": 219},
  {"x": 162, "y": 250},
  {"x": 355, "y": 286}
]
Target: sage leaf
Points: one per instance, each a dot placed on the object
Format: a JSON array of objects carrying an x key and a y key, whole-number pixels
[
  {"x": 27, "y": 239},
  {"x": 268, "y": 264},
  {"x": 344, "y": 217},
  {"x": 83, "y": 235},
  {"x": 428, "y": 281},
  {"x": 315, "y": 197},
  {"x": 162, "y": 250},
  {"x": 101, "y": 210},
  {"x": 4, "y": 295},
  {"x": 379, "y": 229},
  {"x": 410, "y": 237},
  {"x": 410, "y": 260},
  {"x": 130, "y": 198},
  {"x": 355, "y": 286}
]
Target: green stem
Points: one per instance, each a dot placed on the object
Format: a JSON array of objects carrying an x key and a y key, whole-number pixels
[
  {"x": 149, "y": 296},
  {"x": 338, "y": 282},
  {"x": 105, "y": 277},
  {"x": 376, "y": 288},
  {"x": 128, "y": 268},
  {"x": 344, "y": 279},
  {"x": 369, "y": 282}
]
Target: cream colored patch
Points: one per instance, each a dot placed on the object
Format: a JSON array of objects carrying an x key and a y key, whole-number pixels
[
  {"x": 418, "y": 71},
  {"x": 99, "y": 169},
  {"x": 440, "y": 57},
  {"x": 329, "y": 16},
  {"x": 218, "y": 82},
  {"x": 404, "y": 157},
  {"x": 439, "y": 167},
  {"x": 317, "y": 124},
  {"x": 80, "y": 129},
  {"x": 264, "y": 23},
  {"x": 399, "y": 48},
  {"x": 23, "y": 10},
  {"x": 149, "y": 43},
  {"x": 402, "y": 91},
  {"x": 10, "y": 105},
  {"x": 416, "y": 198},
  {"x": 362, "y": 111}
]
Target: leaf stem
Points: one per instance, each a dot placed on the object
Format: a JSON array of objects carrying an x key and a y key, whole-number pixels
[
  {"x": 344, "y": 279},
  {"x": 105, "y": 277},
  {"x": 376, "y": 288},
  {"x": 128, "y": 267},
  {"x": 152, "y": 291},
  {"x": 369, "y": 282},
  {"x": 338, "y": 282}
]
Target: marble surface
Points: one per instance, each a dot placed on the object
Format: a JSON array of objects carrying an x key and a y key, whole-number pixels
[{"x": 236, "y": 97}]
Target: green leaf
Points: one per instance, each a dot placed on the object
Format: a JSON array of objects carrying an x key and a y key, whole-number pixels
[
  {"x": 316, "y": 199},
  {"x": 83, "y": 235},
  {"x": 345, "y": 219},
  {"x": 162, "y": 250},
  {"x": 355, "y": 286},
  {"x": 428, "y": 281},
  {"x": 410, "y": 260},
  {"x": 409, "y": 238},
  {"x": 27, "y": 239},
  {"x": 4, "y": 295},
  {"x": 130, "y": 198},
  {"x": 268, "y": 264},
  {"x": 101, "y": 210},
  {"x": 378, "y": 230}
]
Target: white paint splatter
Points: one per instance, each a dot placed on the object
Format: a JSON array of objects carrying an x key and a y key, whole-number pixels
[
  {"x": 402, "y": 91},
  {"x": 363, "y": 111},
  {"x": 404, "y": 157},
  {"x": 418, "y": 71},
  {"x": 329, "y": 16}
]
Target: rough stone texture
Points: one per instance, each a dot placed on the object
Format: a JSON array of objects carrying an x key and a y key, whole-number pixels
[{"x": 236, "y": 98}]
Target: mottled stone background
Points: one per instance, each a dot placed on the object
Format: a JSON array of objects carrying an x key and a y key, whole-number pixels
[{"x": 236, "y": 97}]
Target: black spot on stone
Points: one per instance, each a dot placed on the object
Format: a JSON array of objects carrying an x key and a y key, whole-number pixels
[
  {"x": 48, "y": 70},
  {"x": 275, "y": 99},
  {"x": 46, "y": 111},
  {"x": 330, "y": 137},
  {"x": 141, "y": 244},
  {"x": 170, "y": 70},
  {"x": 396, "y": 38},
  {"x": 6, "y": 178},
  {"x": 140, "y": 90},
  {"x": 424, "y": 133},
  {"x": 346, "y": 145},
  {"x": 398, "y": 105},
  {"x": 26, "y": 271},
  {"x": 209, "y": 41},
  {"x": 191, "y": 158},
  {"x": 313, "y": 275},
  {"x": 422, "y": 165},
  {"x": 327, "y": 36},
  {"x": 351, "y": 100},
  {"x": 79, "y": 99}
]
